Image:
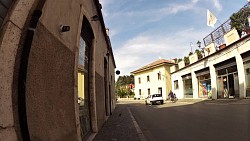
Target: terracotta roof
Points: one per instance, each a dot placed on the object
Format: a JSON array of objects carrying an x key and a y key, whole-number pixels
[{"x": 155, "y": 64}]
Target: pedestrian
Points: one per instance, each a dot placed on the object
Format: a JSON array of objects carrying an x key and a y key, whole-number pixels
[{"x": 171, "y": 95}]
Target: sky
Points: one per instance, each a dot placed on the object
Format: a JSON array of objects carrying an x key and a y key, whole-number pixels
[{"x": 143, "y": 31}]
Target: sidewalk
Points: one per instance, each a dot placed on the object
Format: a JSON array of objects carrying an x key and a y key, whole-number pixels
[
  {"x": 235, "y": 101},
  {"x": 120, "y": 126}
]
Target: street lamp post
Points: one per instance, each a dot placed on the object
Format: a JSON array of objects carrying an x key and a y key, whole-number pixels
[
  {"x": 202, "y": 49},
  {"x": 191, "y": 45}
]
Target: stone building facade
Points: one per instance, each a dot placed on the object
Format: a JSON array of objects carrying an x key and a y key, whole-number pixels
[{"x": 50, "y": 52}]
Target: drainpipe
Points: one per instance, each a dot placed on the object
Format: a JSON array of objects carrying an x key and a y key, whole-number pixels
[
  {"x": 109, "y": 85},
  {"x": 23, "y": 71}
]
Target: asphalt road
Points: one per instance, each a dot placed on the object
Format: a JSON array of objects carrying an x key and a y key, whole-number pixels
[{"x": 193, "y": 122}]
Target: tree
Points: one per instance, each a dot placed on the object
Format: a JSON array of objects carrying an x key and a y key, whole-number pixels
[
  {"x": 122, "y": 83},
  {"x": 239, "y": 20},
  {"x": 125, "y": 80},
  {"x": 122, "y": 93}
]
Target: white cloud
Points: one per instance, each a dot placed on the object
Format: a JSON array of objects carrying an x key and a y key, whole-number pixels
[
  {"x": 147, "y": 47},
  {"x": 175, "y": 8},
  {"x": 151, "y": 14},
  {"x": 217, "y": 4},
  {"x": 132, "y": 18}
]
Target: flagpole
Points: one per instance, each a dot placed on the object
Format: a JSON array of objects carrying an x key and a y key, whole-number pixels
[{"x": 219, "y": 22}]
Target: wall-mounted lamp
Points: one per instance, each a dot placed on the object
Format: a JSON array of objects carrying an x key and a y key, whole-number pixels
[
  {"x": 95, "y": 18},
  {"x": 107, "y": 54},
  {"x": 64, "y": 28}
]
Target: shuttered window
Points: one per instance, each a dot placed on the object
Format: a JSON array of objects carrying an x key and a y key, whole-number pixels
[{"x": 4, "y": 7}]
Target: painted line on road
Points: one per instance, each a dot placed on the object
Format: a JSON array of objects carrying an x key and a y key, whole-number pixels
[{"x": 138, "y": 129}]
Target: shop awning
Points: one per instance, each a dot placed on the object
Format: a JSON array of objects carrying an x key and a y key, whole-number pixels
[
  {"x": 225, "y": 64},
  {"x": 202, "y": 72}
]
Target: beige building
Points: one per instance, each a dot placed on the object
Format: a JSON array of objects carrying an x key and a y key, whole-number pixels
[
  {"x": 223, "y": 73},
  {"x": 56, "y": 70},
  {"x": 153, "y": 78}
]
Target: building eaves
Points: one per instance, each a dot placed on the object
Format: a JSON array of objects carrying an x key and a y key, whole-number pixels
[
  {"x": 99, "y": 11},
  {"x": 155, "y": 64},
  {"x": 217, "y": 52}
]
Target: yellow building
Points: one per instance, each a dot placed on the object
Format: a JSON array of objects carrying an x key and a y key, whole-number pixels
[{"x": 153, "y": 78}]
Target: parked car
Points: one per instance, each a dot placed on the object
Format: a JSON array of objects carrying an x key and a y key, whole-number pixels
[{"x": 153, "y": 99}]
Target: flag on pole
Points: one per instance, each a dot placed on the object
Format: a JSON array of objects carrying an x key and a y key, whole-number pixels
[{"x": 211, "y": 19}]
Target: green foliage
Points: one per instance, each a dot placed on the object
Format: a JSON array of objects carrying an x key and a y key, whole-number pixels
[
  {"x": 199, "y": 54},
  {"x": 239, "y": 19},
  {"x": 122, "y": 89},
  {"x": 125, "y": 80},
  {"x": 122, "y": 92},
  {"x": 186, "y": 60},
  {"x": 179, "y": 60},
  {"x": 190, "y": 53}
]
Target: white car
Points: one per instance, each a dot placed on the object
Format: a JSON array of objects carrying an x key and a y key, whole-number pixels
[{"x": 153, "y": 99}]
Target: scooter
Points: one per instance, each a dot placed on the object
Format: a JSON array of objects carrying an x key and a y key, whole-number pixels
[{"x": 173, "y": 99}]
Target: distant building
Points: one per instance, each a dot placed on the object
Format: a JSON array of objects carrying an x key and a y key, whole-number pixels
[
  {"x": 153, "y": 78},
  {"x": 223, "y": 73}
]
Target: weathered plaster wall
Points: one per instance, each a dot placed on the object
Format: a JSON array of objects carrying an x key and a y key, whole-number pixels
[
  {"x": 50, "y": 93},
  {"x": 10, "y": 36}
]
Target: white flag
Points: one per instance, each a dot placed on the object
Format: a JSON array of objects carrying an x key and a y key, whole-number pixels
[{"x": 211, "y": 19}]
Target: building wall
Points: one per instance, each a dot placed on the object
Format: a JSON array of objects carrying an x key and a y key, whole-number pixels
[
  {"x": 52, "y": 84},
  {"x": 154, "y": 83},
  {"x": 233, "y": 51},
  {"x": 10, "y": 36}
]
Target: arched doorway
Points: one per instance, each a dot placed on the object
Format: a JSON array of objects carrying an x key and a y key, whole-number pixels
[{"x": 84, "y": 77}]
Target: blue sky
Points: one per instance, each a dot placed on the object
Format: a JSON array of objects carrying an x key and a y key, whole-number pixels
[{"x": 142, "y": 31}]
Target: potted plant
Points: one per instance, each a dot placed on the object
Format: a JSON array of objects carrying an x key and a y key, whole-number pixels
[
  {"x": 186, "y": 60},
  {"x": 239, "y": 20}
]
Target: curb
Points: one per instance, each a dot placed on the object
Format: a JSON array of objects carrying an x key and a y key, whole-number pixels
[{"x": 138, "y": 129}]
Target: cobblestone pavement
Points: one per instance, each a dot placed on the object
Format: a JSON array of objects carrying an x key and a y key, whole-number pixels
[{"x": 119, "y": 126}]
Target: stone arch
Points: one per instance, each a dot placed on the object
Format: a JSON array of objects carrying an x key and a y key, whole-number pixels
[
  {"x": 85, "y": 65},
  {"x": 11, "y": 32}
]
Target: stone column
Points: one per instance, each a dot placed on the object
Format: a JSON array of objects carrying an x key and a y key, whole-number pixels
[
  {"x": 241, "y": 74},
  {"x": 194, "y": 85},
  {"x": 213, "y": 81}
]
